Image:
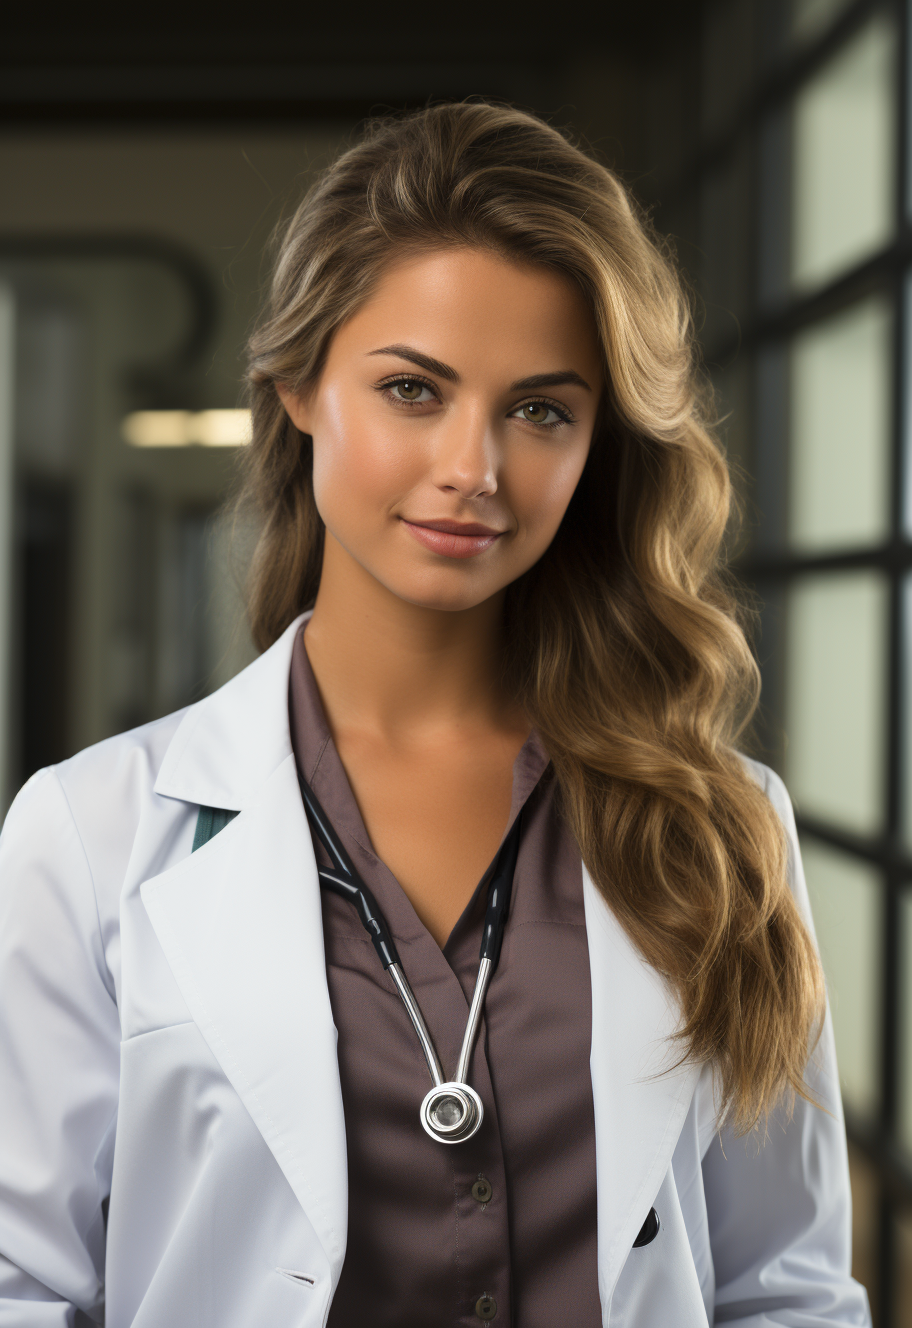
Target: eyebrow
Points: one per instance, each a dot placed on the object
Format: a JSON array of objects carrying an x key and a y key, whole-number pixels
[{"x": 560, "y": 378}]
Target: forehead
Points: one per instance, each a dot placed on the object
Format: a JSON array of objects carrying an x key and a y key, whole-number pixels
[{"x": 484, "y": 315}]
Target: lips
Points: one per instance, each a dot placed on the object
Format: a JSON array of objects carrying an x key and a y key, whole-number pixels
[
  {"x": 457, "y": 527},
  {"x": 453, "y": 539}
]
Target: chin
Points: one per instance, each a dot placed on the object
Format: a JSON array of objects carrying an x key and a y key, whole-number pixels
[{"x": 444, "y": 598}]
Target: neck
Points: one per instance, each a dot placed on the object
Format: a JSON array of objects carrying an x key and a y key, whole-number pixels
[{"x": 400, "y": 671}]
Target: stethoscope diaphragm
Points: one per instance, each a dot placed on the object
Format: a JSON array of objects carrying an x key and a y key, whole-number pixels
[{"x": 452, "y": 1113}]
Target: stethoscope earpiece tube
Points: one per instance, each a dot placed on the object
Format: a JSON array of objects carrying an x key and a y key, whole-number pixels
[
  {"x": 357, "y": 893},
  {"x": 451, "y": 1112},
  {"x": 345, "y": 881},
  {"x": 321, "y": 824},
  {"x": 499, "y": 896}
]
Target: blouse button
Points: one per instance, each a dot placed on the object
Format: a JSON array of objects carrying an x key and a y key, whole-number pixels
[
  {"x": 481, "y": 1193},
  {"x": 486, "y": 1307}
]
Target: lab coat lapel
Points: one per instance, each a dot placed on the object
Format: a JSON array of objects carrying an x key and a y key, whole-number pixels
[
  {"x": 241, "y": 926},
  {"x": 240, "y": 923},
  {"x": 640, "y": 1103}
]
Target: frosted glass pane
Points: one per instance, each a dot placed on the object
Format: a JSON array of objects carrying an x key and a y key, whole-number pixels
[
  {"x": 843, "y": 158},
  {"x": 835, "y": 681},
  {"x": 810, "y": 18},
  {"x": 846, "y": 901},
  {"x": 839, "y": 455}
]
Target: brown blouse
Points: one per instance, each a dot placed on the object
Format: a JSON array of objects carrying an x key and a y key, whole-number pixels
[{"x": 502, "y": 1226}]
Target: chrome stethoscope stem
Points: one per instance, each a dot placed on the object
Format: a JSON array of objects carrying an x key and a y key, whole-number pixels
[
  {"x": 452, "y": 1112},
  {"x": 470, "y": 1036},
  {"x": 485, "y": 969},
  {"x": 421, "y": 1028}
]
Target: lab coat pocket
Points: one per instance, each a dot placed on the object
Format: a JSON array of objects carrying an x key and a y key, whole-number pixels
[{"x": 658, "y": 1284}]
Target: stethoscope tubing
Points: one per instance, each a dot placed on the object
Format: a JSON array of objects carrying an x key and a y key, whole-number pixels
[
  {"x": 414, "y": 1011},
  {"x": 343, "y": 880}
]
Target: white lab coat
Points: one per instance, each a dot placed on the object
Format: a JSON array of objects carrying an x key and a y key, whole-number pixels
[{"x": 167, "y": 1038}]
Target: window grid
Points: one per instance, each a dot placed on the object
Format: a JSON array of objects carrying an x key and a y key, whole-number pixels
[{"x": 768, "y": 330}]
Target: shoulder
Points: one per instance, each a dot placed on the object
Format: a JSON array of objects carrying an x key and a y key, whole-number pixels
[
  {"x": 82, "y": 816},
  {"x": 65, "y": 848},
  {"x": 772, "y": 786},
  {"x": 126, "y": 764},
  {"x": 778, "y": 795},
  {"x": 123, "y": 765},
  {"x": 107, "y": 782},
  {"x": 763, "y": 775}
]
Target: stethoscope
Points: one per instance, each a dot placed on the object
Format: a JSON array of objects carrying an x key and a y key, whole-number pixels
[{"x": 452, "y": 1111}]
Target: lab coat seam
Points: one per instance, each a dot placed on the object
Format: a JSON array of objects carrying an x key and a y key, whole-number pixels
[
  {"x": 159, "y": 1028},
  {"x": 111, "y": 1125},
  {"x": 109, "y": 985},
  {"x": 104, "y": 1135}
]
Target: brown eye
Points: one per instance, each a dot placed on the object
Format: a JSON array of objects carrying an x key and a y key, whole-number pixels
[
  {"x": 543, "y": 414},
  {"x": 409, "y": 390},
  {"x": 536, "y": 412}
]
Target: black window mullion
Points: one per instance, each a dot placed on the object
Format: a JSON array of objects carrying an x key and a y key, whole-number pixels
[
  {"x": 777, "y": 313},
  {"x": 891, "y": 993},
  {"x": 786, "y": 78}
]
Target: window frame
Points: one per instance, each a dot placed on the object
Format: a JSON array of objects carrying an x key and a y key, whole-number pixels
[{"x": 769, "y": 568}]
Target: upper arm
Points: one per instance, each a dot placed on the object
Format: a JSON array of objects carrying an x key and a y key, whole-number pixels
[
  {"x": 779, "y": 1211},
  {"x": 59, "y": 1065},
  {"x": 779, "y": 1215}
]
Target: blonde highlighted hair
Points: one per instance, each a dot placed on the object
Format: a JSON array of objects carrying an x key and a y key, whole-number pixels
[{"x": 624, "y": 645}]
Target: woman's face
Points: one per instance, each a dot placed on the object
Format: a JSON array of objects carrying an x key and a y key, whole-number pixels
[{"x": 450, "y": 425}]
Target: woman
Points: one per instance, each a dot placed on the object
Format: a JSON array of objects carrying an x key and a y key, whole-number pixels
[{"x": 498, "y": 656}]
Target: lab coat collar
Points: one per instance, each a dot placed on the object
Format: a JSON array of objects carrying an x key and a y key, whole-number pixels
[
  {"x": 228, "y": 745},
  {"x": 240, "y": 923}
]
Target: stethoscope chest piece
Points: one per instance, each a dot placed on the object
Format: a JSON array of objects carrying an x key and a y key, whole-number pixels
[{"x": 452, "y": 1113}]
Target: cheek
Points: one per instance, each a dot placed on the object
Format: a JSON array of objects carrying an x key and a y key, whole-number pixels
[
  {"x": 359, "y": 465},
  {"x": 541, "y": 490}
]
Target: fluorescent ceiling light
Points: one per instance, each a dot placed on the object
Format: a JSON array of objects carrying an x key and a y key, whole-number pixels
[{"x": 184, "y": 428}]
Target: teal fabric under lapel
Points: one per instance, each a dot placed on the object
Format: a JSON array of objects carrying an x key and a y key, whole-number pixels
[{"x": 208, "y": 824}]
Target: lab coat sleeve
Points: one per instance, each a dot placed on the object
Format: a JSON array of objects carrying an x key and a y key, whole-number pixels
[
  {"x": 59, "y": 1067},
  {"x": 779, "y": 1211}
]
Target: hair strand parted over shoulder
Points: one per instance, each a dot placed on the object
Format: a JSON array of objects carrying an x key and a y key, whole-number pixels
[{"x": 624, "y": 644}]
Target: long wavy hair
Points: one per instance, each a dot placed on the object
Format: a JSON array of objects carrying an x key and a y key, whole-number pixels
[{"x": 624, "y": 645}]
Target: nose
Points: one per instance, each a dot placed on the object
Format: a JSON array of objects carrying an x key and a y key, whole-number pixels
[{"x": 467, "y": 456}]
